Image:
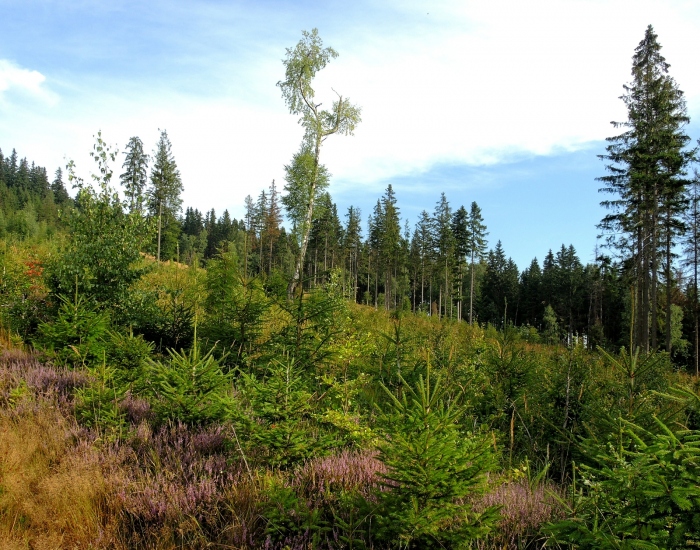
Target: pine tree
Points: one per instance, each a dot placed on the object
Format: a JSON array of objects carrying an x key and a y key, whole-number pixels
[
  {"x": 692, "y": 260},
  {"x": 500, "y": 288},
  {"x": 60, "y": 195},
  {"x": 273, "y": 220},
  {"x": 645, "y": 174},
  {"x": 426, "y": 247},
  {"x": 389, "y": 244},
  {"x": 476, "y": 246},
  {"x": 163, "y": 196},
  {"x": 352, "y": 243},
  {"x": 460, "y": 231},
  {"x": 531, "y": 294},
  {"x": 444, "y": 249},
  {"x": 135, "y": 176}
]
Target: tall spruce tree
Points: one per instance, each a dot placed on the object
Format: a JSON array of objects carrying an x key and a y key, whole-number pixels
[
  {"x": 445, "y": 251},
  {"x": 460, "y": 231},
  {"x": 273, "y": 220},
  {"x": 646, "y": 166},
  {"x": 476, "y": 245},
  {"x": 135, "y": 176},
  {"x": 352, "y": 243},
  {"x": 163, "y": 196},
  {"x": 692, "y": 260}
]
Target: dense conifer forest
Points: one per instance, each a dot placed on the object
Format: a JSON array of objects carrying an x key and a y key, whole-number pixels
[{"x": 171, "y": 378}]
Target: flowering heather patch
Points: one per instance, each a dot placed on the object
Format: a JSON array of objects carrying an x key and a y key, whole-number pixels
[
  {"x": 136, "y": 409},
  {"x": 19, "y": 369},
  {"x": 172, "y": 473},
  {"x": 178, "y": 485},
  {"x": 524, "y": 509},
  {"x": 347, "y": 471}
]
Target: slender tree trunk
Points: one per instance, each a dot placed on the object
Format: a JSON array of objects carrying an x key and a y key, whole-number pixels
[
  {"x": 669, "y": 288},
  {"x": 654, "y": 279},
  {"x": 696, "y": 245},
  {"x": 471, "y": 292},
  {"x": 306, "y": 229},
  {"x": 160, "y": 217}
]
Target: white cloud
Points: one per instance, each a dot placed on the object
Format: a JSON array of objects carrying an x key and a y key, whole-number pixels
[
  {"x": 490, "y": 79},
  {"x": 16, "y": 78}
]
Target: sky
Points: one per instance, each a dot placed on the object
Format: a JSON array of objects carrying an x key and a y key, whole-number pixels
[{"x": 502, "y": 102}]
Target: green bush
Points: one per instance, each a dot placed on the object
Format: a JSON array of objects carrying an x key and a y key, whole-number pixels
[
  {"x": 434, "y": 472},
  {"x": 643, "y": 493},
  {"x": 190, "y": 388},
  {"x": 286, "y": 429},
  {"x": 97, "y": 405},
  {"x": 77, "y": 335}
]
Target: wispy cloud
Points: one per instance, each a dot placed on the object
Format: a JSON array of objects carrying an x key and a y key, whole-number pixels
[{"x": 20, "y": 81}]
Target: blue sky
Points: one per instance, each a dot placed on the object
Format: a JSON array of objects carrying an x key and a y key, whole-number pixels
[{"x": 506, "y": 103}]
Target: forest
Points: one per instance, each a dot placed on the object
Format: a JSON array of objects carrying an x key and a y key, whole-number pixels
[{"x": 171, "y": 378}]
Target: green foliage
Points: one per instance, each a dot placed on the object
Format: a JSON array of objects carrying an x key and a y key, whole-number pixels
[
  {"x": 128, "y": 354},
  {"x": 190, "y": 388},
  {"x": 287, "y": 515},
  {"x": 637, "y": 376},
  {"x": 434, "y": 471},
  {"x": 23, "y": 291},
  {"x": 98, "y": 404},
  {"x": 301, "y": 65},
  {"x": 103, "y": 253},
  {"x": 551, "y": 326},
  {"x": 285, "y": 429},
  {"x": 77, "y": 336},
  {"x": 316, "y": 320},
  {"x": 298, "y": 175},
  {"x": 234, "y": 307},
  {"x": 645, "y": 494}
]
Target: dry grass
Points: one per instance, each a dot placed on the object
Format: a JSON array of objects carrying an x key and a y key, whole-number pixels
[{"x": 51, "y": 490}]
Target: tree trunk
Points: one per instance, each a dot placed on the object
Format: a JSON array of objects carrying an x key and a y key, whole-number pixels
[
  {"x": 471, "y": 292},
  {"x": 306, "y": 229},
  {"x": 160, "y": 217}
]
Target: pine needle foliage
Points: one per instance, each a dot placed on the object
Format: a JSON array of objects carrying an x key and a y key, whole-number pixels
[
  {"x": 433, "y": 471},
  {"x": 77, "y": 336},
  {"x": 190, "y": 388},
  {"x": 643, "y": 495}
]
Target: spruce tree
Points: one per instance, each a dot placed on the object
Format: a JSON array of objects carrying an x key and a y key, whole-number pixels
[
  {"x": 477, "y": 248},
  {"x": 163, "y": 196},
  {"x": 60, "y": 194},
  {"x": 646, "y": 169},
  {"x": 691, "y": 249},
  {"x": 352, "y": 242},
  {"x": 445, "y": 248},
  {"x": 135, "y": 176},
  {"x": 273, "y": 220}
]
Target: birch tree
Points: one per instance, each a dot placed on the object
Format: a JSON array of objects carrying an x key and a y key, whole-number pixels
[{"x": 301, "y": 64}]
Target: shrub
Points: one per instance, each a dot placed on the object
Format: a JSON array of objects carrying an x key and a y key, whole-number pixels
[
  {"x": 643, "y": 492},
  {"x": 190, "y": 388},
  {"x": 433, "y": 470}
]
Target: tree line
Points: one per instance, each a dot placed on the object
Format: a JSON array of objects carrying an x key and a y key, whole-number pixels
[{"x": 640, "y": 291}]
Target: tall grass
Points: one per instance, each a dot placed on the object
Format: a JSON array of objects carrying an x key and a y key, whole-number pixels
[{"x": 52, "y": 491}]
